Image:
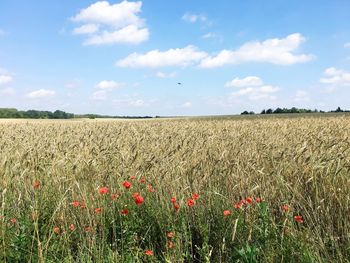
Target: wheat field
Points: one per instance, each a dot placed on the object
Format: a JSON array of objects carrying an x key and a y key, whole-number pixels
[{"x": 176, "y": 190}]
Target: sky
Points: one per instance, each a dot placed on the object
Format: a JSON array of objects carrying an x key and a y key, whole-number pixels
[{"x": 128, "y": 57}]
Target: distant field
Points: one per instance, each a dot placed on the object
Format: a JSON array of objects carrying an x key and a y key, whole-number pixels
[{"x": 244, "y": 189}]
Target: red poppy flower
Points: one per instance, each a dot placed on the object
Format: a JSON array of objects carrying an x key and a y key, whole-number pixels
[
  {"x": 72, "y": 227},
  {"x": 135, "y": 195},
  {"x": 190, "y": 202},
  {"x": 127, "y": 184},
  {"x": 299, "y": 219},
  {"x": 56, "y": 230},
  {"x": 249, "y": 200},
  {"x": 285, "y": 208},
  {"x": 98, "y": 210},
  {"x": 149, "y": 252},
  {"x": 75, "y": 204},
  {"x": 124, "y": 212},
  {"x": 173, "y": 200},
  {"x": 258, "y": 200},
  {"x": 13, "y": 220},
  {"x": 36, "y": 185},
  {"x": 195, "y": 196},
  {"x": 170, "y": 244},
  {"x": 103, "y": 190},
  {"x": 176, "y": 207},
  {"x": 139, "y": 200},
  {"x": 170, "y": 234},
  {"x": 132, "y": 177},
  {"x": 143, "y": 180},
  {"x": 150, "y": 188},
  {"x": 227, "y": 212},
  {"x": 238, "y": 205}
]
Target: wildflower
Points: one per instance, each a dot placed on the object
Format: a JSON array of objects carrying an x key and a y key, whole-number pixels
[
  {"x": 72, "y": 227},
  {"x": 249, "y": 200},
  {"x": 170, "y": 244},
  {"x": 13, "y": 220},
  {"x": 258, "y": 200},
  {"x": 195, "y": 196},
  {"x": 299, "y": 219},
  {"x": 176, "y": 207},
  {"x": 135, "y": 195},
  {"x": 36, "y": 185},
  {"x": 143, "y": 180},
  {"x": 127, "y": 184},
  {"x": 170, "y": 234},
  {"x": 173, "y": 200},
  {"x": 238, "y": 205},
  {"x": 103, "y": 190},
  {"x": 285, "y": 208},
  {"x": 56, "y": 230},
  {"x": 114, "y": 196},
  {"x": 133, "y": 177},
  {"x": 75, "y": 204},
  {"x": 149, "y": 252},
  {"x": 125, "y": 212},
  {"x": 98, "y": 210},
  {"x": 139, "y": 200},
  {"x": 150, "y": 188},
  {"x": 227, "y": 212},
  {"x": 190, "y": 202}
]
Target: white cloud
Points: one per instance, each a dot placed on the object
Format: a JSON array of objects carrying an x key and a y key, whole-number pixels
[
  {"x": 275, "y": 51},
  {"x": 253, "y": 88},
  {"x": 192, "y": 18},
  {"x": 112, "y": 23},
  {"x": 7, "y": 91},
  {"x": 187, "y": 105},
  {"x": 86, "y": 29},
  {"x": 5, "y": 78},
  {"x": 163, "y": 75},
  {"x": 155, "y": 58},
  {"x": 301, "y": 96},
  {"x": 347, "y": 45},
  {"x": 245, "y": 82},
  {"x": 41, "y": 93},
  {"x": 209, "y": 35},
  {"x": 108, "y": 85},
  {"x": 99, "y": 95},
  {"x": 336, "y": 77},
  {"x": 127, "y": 35}
]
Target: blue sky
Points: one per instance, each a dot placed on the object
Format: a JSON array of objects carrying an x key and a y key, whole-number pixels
[{"x": 126, "y": 57}]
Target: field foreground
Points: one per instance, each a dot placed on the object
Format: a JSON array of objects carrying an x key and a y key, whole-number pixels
[{"x": 197, "y": 190}]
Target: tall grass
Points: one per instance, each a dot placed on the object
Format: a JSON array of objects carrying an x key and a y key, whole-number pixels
[{"x": 52, "y": 172}]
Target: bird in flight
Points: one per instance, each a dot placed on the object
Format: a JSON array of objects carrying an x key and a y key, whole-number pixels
[{"x": 179, "y": 83}]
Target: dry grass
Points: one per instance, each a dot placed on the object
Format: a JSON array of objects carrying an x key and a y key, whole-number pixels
[{"x": 302, "y": 162}]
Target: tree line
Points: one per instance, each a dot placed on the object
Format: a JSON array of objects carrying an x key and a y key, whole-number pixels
[
  {"x": 12, "y": 113},
  {"x": 291, "y": 110}
]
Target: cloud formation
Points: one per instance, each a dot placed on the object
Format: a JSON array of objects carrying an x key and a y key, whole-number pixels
[
  {"x": 192, "y": 18},
  {"x": 336, "y": 77},
  {"x": 106, "y": 23},
  {"x": 108, "y": 85},
  {"x": 253, "y": 88},
  {"x": 173, "y": 57},
  {"x": 275, "y": 51},
  {"x": 41, "y": 93}
]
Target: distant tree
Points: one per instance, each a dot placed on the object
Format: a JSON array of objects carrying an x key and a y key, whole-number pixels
[
  {"x": 269, "y": 111},
  {"x": 263, "y": 112},
  {"x": 338, "y": 110},
  {"x": 245, "y": 113}
]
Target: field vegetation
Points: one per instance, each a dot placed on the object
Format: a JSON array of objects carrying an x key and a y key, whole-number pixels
[{"x": 179, "y": 190}]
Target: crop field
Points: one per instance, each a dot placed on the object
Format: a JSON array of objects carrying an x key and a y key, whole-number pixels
[{"x": 176, "y": 190}]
